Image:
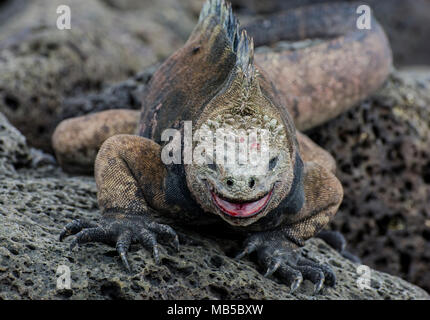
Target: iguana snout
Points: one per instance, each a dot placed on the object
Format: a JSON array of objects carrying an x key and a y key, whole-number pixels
[{"x": 242, "y": 195}]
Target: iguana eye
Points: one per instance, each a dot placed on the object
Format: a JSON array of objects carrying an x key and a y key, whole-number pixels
[{"x": 272, "y": 163}]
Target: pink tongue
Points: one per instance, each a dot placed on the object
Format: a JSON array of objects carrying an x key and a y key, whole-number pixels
[{"x": 241, "y": 209}]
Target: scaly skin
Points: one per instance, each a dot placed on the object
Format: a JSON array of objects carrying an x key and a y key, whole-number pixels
[{"x": 215, "y": 81}]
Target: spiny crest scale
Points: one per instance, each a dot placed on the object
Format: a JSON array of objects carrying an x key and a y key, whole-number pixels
[{"x": 241, "y": 43}]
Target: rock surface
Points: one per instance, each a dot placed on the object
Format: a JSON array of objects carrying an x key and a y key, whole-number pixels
[{"x": 36, "y": 203}]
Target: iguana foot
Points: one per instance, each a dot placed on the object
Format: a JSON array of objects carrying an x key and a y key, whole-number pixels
[
  {"x": 338, "y": 242},
  {"x": 122, "y": 232},
  {"x": 280, "y": 257}
]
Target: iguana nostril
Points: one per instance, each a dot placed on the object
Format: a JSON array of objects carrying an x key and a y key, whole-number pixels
[
  {"x": 229, "y": 182},
  {"x": 251, "y": 183}
]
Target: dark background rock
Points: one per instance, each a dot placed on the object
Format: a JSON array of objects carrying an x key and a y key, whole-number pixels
[
  {"x": 127, "y": 94},
  {"x": 406, "y": 22},
  {"x": 14, "y": 152},
  {"x": 382, "y": 152}
]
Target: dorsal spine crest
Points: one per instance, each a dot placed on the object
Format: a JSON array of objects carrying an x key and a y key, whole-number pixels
[{"x": 241, "y": 44}]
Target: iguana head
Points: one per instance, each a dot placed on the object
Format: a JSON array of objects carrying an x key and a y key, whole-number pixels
[{"x": 230, "y": 185}]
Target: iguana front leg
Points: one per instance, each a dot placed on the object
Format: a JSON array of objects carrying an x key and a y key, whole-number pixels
[
  {"x": 130, "y": 182},
  {"x": 278, "y": 250}
]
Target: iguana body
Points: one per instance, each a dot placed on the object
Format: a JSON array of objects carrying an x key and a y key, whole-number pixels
[{"x": 216, "y": 81}]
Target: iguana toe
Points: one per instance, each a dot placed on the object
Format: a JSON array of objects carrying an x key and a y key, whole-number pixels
[
  {"x": 167, "y": 232},
  {"x": 294, "y": 273},
  {"x": 148, "y": 240},
  {"x": 122, "y": 246},
  {"x": 97, "y": 234},
  {"x": 292, "y": 277},
  {"x": 329, "y": 276},
  {"x": 274, "y": 265},
  {"x": 74, "y": 227}
]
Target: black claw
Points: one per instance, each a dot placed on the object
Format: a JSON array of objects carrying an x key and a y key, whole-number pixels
[
  {"x": 176, "y": 243},
  {"x": 318, "y": 286},
  {"x": 274, "y": 265},
  {"x": 296, "y": 284},
  {"x": 149, "y": 241},
  {"x": 122, "y": 246},
  {"x": 156, "y": 255},
  {"x": 240, "y": 255},
  {"x": 248, "y": 249},
  {"x": 313, "y": 274},
  {"x": 124, "y": 261}
]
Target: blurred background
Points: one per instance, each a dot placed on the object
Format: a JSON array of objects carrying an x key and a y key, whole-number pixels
[{"x": 381, "y": 145}]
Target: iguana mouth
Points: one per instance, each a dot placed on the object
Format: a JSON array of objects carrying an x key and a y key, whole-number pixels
[{"x": 242, "y": 209}]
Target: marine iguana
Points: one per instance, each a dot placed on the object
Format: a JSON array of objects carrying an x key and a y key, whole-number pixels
[{"x": 217, "y": 81}]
